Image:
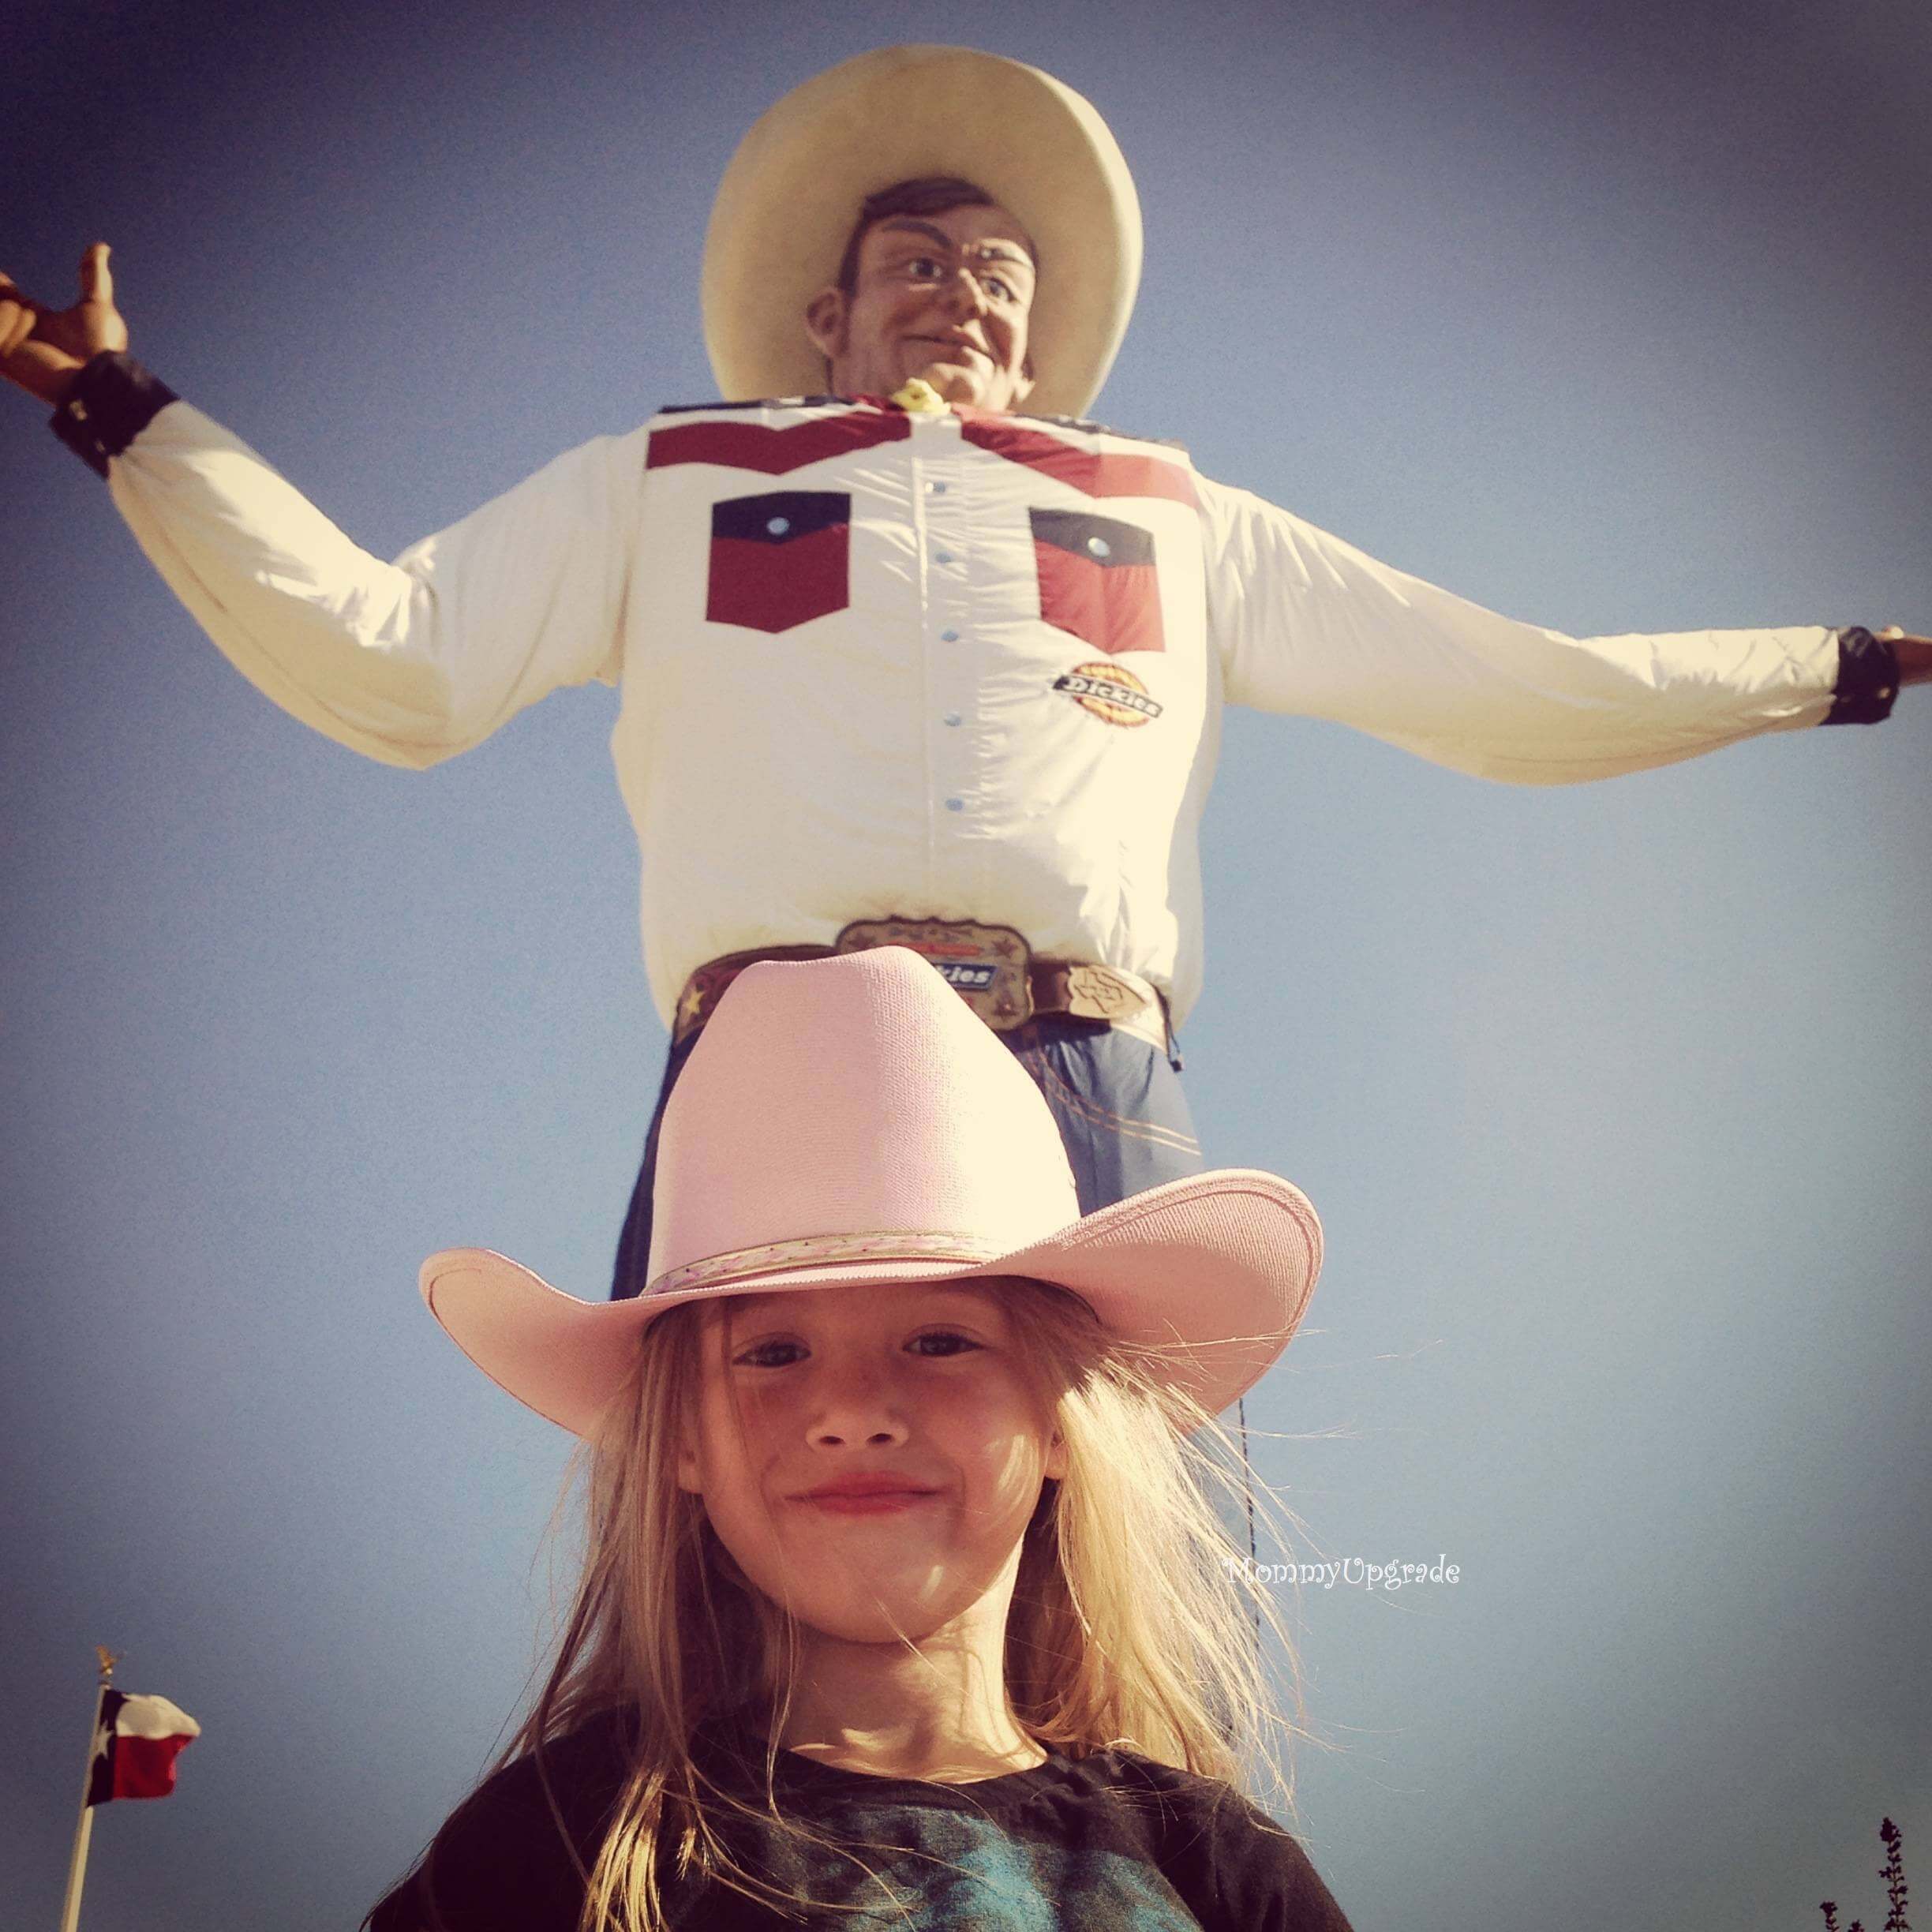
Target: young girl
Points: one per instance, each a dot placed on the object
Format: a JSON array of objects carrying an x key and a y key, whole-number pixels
[{"x": 903, "y": 1603}]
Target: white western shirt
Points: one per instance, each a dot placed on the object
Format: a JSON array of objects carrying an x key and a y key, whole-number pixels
[{"x": 953, "y": 666}]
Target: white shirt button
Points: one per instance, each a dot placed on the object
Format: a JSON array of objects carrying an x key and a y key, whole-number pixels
[
  {"x": 949, "y": 637},
  {"x": 935, "y": 489},
  {"x": 1100, "y": 547},
  {"x": 955, "y": 804},
  {"x": 953, "y": 717},
  {"x": 778, "y": 526},
  {"x": 942, "y": 556}
]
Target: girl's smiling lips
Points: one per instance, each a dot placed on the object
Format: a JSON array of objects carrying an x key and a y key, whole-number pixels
[{"x": 867, "y": 1495}]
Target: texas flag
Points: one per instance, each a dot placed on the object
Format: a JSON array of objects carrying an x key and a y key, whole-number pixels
[{"x": 135, "y": 1746}]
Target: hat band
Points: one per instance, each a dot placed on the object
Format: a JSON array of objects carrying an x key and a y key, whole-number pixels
[{"x": 749, "y": 1263}]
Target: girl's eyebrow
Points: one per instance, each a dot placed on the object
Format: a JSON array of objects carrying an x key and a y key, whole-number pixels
[{"x": 750, "y": 1308}]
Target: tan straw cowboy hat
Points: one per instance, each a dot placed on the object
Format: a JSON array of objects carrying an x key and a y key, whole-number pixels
[
  {"x": 850, "y": 1120},
  {"x": 792, "y": 192}
]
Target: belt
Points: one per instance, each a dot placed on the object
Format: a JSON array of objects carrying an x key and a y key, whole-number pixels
[{"x": 991, "y": 967}]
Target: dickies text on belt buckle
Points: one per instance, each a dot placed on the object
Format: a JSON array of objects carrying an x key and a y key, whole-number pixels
[{"x": 986, "y": 965}]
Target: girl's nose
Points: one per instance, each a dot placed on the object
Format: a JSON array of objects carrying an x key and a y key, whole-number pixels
[
  {"x": 856, "y": 1410},
  {"x": 856, "y": 1424},
  {"x": 848, "y": 1433}
]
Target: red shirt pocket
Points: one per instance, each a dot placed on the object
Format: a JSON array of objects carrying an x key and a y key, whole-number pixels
[
  {"x": 1097, "y": 580},
  {"x": 780, "y": 560}
]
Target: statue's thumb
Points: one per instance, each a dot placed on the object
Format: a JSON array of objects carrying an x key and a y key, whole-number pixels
[{"x": 96, "y": 277}]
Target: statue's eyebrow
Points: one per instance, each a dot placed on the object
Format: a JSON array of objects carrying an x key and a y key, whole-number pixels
[{"x": 987, "y": 251}]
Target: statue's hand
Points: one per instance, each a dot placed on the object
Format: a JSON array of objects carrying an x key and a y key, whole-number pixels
[
  {"x": 1915, "y": 655},
  {"x": 43, "y": 349}
]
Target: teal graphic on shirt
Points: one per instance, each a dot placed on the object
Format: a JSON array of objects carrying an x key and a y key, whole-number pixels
[{"x": 942, "y": 1870}]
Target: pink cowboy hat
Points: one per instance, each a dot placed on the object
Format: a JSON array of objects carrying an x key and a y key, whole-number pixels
[{"x": 850, "y": 1120}]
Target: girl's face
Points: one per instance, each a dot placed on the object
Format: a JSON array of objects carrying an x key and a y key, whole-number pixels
[{"x": 870, "y": 1455}]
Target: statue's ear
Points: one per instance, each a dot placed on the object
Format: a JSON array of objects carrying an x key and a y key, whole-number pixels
[{"x": 825, "y": 322}]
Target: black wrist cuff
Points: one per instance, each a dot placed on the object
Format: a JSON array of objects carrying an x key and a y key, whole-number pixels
[
  {"x": 1868, "y": 678},
  {"x": 112, "y": 401}
]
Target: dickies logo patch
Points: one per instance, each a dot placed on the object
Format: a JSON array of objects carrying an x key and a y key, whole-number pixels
[
  {"x": 1110, "y": 692},
  {"x": 780, "y": 560}
]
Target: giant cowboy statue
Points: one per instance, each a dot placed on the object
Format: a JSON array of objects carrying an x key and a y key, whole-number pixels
[{"x": 909, "y": 652}]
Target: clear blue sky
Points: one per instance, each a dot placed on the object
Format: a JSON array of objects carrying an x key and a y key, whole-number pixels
[{"x": 1614, "y": 1098}]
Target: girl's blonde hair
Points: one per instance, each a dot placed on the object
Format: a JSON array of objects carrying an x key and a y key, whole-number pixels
[{"x": 1135, "y": 1619}]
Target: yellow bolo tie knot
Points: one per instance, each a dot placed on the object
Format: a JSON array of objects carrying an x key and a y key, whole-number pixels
[{"x": 918, "y": 398}]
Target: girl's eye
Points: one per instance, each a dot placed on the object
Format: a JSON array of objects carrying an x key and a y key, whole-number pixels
[
  {"x": 935, "y": 1345},
  {"x": 760, "y": 1356},
  {"x": 945, "y": 1338},
  {"x": 995, "y": 286},
  {"x": 924, "y": 268}
]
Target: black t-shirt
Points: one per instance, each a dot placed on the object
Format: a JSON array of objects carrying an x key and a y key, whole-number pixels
[{"x": 1113, "y": 1841}]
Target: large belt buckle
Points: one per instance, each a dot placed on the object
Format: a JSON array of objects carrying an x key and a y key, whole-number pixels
[{"x": 986, "y": 965}]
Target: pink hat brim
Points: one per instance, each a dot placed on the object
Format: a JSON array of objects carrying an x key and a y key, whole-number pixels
[{"x": 1217, "y": 1269}]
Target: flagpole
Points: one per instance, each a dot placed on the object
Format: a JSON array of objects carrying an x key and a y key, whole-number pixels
[{"x": 84, "y": 1830}]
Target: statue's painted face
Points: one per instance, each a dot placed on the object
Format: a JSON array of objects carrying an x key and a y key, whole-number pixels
[{"x": 944, "y": 297}]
